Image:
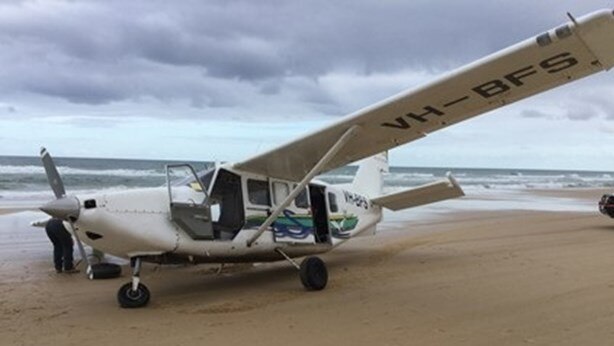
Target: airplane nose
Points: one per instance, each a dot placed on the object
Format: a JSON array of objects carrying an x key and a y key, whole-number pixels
[{"x": 63, "y": 208}]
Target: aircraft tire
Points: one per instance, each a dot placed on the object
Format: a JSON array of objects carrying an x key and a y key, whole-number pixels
[
  {"x": 129, "y": 299},
  {"x": 105, "y": 271},
  {"x": 314, "y": 275}
]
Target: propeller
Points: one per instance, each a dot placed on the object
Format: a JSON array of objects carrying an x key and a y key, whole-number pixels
[
  {"x": 63, "y": 207},
  {"x": 52, "y": 174}
]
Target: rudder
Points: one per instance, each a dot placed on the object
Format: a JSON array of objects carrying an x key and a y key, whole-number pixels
[{"x": 369, "y": 177}]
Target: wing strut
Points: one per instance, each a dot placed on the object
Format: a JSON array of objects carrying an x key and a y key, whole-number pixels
[{"x": 317, "y": 168}]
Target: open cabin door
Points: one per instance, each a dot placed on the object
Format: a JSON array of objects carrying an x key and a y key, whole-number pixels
[
  {"x": 226, "y": 200},
  {"x": 207, "y": 207},
  {"x": 319, "y": 213},
  {"x": 189, "y": 203}
]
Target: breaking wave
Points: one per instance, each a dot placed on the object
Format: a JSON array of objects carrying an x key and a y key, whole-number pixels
[
  {"x": 64, "y": 170},
  {"x": 23, "y": 178}
]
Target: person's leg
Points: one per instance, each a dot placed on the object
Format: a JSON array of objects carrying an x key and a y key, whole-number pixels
[
  {"x": 58, "y": 252},
  {"x": 67, "y": 249},
  {"x": 57, "y": 257}
]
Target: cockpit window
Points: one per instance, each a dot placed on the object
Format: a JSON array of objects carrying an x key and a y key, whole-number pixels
[
  {"x": 258, "y": 192},
  {"x": 204, "y": 176}
]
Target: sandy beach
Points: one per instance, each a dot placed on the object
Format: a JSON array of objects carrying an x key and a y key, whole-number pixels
[{"x": 478, "y": 277}]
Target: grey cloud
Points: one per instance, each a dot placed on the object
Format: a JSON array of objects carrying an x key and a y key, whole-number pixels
[
  {"x": 585, "y": 101},
  {"x": 600, "y": 99},
  {"x": 211, "y": 53},
  {"x": 78, "y": 89},
  {"x": 578, "y": 110},
  {"x": 271, "y": 87},
  {"x": 581, "y": 114}
]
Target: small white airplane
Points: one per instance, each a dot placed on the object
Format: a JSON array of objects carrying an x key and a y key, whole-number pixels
[{"x": 269, "y": 208}]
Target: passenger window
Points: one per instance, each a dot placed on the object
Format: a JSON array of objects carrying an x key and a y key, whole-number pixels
[
  {"x": 332, "y": 203},
  {"x": 301, "y": 200},
  {"x": 280, "y": 192},
  {"x": 258, "y": 192}
]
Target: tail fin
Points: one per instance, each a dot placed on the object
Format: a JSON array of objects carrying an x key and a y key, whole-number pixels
[{"x": 369, "y": 179}]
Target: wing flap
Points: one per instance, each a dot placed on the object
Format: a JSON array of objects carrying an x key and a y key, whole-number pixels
[
  {"x": 562, "y": 55},
  {"x": 425, "y": 194}
]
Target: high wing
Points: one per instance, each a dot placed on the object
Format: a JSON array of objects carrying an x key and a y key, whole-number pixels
[{"x": 569, "y": 52}]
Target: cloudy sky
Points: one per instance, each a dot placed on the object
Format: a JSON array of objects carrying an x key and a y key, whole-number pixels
[{"x": 224, "y": 80}]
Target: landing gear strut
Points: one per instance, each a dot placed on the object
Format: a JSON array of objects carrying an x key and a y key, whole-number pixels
[{"x": 133, "y": 294}]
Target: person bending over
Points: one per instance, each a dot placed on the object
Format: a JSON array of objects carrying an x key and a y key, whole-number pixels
[{"x": 62, "y": 246}]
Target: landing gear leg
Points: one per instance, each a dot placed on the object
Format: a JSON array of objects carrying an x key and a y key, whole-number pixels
[
  {"x": 288, "y": 258},
  {"x": 133, "y": 294}
]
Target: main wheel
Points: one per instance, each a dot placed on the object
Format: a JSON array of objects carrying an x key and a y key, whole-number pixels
[
  {"x": 314, "y": 275},
  {"x": 127, "y": 298}
]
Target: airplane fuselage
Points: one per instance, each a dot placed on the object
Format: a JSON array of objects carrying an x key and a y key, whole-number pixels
[{"x": 140, "y": 222}]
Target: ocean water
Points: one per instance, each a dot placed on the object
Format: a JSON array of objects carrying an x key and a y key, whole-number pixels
[
  {"x": 485, "y": 178},
  {"x": 22, "y": 179}
]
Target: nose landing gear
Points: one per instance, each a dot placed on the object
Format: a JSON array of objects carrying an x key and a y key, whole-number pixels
[{"x": 133, "y": 294}]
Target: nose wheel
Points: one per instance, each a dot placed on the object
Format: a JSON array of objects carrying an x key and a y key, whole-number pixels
[{"x": 133, "y": 294}]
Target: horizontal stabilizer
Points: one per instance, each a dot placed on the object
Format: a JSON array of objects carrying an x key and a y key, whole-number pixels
[{"x": 421, "y": 195}]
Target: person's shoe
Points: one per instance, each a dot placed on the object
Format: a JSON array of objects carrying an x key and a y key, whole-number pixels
[
  {"x": 58, "y": 271},
  {"x": 71, "y": 271}
]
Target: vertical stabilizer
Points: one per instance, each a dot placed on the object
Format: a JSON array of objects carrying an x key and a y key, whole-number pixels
[{"x": 369, "y": 177}]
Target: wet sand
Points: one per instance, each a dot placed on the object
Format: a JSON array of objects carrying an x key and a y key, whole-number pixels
[
  {"x": 6, "y": 211},
  {"x": 470, "y": 278}
]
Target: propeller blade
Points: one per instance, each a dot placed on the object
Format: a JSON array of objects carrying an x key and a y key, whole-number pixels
[{"x": 55, "y": 181}]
